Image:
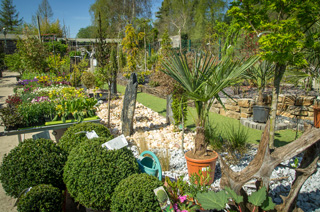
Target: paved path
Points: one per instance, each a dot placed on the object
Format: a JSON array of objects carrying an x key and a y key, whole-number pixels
[{"x": 7, "y": 83}]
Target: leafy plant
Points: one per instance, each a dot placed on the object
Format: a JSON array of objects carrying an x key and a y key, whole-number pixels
[
  {"x": 40, "y": 198},
  {"x": 135, "y": 193},
  {"x": 237, "y": 136},
  {"x": 130, "y": 46},
  {"x": 259, "y": 75},
  {"x": 31, "y": 163},
  {"x": 11, "y": 118},
  {"x": 14, "y": 63},
  {"x": 179, "y": 105},
  {"x": 75, "y": 76},
  {"x": 88, "y": 79},
  {"x": 218, "y": 200},
  {"x": 77, "y": 133},
  {"x": 92, "y": 172},
  {"x": 202, "y": 83},
  {"x": 32, "y": 54}
]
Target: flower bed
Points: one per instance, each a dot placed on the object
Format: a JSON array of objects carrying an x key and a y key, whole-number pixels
[{"x": 43, "y": 99}]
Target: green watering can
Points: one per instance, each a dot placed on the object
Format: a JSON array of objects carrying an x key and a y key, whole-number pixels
[{"x": 150, "y": 165}]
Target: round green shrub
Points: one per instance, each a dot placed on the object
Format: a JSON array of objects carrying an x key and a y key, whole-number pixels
[
  {"x": 92, "y": 172},
  {"x": 135, "y": 193},
  {"x": 31, "y": 163},
  {"x": 88, "y": 79},
  {"x": 41, "y": 198},
  {"x": 72, "y": 136}
]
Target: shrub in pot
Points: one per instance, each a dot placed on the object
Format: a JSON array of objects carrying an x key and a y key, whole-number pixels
[
  {"x": 41, "y": 198},
  {"x": 92, "y": 172},
  {"x": 135, "y": 193},
  {"x": 31, "y": 163},
  {"x": 74, "y": 135}
]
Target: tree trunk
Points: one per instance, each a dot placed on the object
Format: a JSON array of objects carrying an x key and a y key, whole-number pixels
[
  {"x": 200, "y": 144},
  {"x": 109, "y": 109},
  {"x": 114, "y": 82},
  {"x": 260, "y": 98},
  {"x": 264, "y": 163},
  {"x": 279, "y": 71}
]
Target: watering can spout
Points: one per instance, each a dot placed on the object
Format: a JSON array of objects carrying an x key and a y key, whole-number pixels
[{"x": 150, "y": 165}]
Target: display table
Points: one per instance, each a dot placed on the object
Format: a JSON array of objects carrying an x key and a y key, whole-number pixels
[{"x": 58, "y": 129}]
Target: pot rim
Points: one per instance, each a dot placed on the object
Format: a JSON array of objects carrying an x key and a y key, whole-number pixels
[{"x": 202, "y": 160}]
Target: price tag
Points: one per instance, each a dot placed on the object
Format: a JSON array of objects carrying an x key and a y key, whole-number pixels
[
  {"x": 116, "y": 143},
  {"x": 91, "y": 135}
]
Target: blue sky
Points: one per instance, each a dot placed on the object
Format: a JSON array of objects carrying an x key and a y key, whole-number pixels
[{"x": 74, "y": 13}]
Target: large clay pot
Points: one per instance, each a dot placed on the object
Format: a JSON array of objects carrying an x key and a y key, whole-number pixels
[
  {"x": 194, "y": 165},
  {"x": 316, "y": 117}
]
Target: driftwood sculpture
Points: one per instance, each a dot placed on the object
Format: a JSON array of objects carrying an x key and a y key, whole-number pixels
[{"x": 264, "y": 162}]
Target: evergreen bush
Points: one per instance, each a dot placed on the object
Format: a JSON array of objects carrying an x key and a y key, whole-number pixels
[
  {"x": 88, "y": 79},
  {"x": 31, "y": 163},
  {"x": 92, "y": 172},
  {"x": 135, "y": 193},
  {"x": 77, "y": 133},
  {"x": 41, "y": 198}
]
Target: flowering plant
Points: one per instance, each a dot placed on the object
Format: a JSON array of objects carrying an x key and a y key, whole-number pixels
[
  {"x": 185, "y": 204},
  {"x": 13, "y": 100}
]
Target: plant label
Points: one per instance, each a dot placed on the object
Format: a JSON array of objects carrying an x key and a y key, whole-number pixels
[
  {"x": 116, "y": 143},
  {"x": 204, "y": 169},
  {"x": 163, "y": 199},
  {"x": 92, "y": 134}
]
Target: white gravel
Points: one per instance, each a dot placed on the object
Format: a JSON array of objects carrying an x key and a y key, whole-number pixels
[{"x": 150, "y": 127}]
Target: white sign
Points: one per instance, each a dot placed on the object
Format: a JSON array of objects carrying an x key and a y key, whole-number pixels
[
  {"x": 116, "y": 143},
  {"x": 91, "y": 134}
]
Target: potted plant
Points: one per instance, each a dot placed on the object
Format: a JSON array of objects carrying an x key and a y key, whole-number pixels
[
  {"x": 202, "y": 82},
  {"x": 259, "y": 75}
]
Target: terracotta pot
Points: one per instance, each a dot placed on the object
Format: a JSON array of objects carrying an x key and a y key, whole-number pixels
[
  {"x": 316, "y": 117},
  {"x": 194, "y": 165}
]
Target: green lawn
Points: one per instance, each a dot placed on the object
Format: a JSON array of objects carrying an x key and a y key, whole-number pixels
[{"x": 220, "y": 122}]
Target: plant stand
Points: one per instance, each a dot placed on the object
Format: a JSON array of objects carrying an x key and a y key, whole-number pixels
[{"x": 58, "y": 130}]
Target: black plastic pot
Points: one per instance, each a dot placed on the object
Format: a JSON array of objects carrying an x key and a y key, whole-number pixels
[{"x": 260, "y": 113}]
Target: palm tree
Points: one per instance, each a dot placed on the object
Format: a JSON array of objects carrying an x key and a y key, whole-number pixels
[
  {"x": 259, "y": 75},
  {"x": 202, "y": 84}
]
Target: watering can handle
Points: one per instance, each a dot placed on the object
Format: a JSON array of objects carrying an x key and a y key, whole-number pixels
[{"x": 157, "y": 164}]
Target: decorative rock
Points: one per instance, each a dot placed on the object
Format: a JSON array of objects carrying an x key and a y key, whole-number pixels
[
  {"x": 215, "y": 110},
  {"x": 169, "y": 114},
  {"x": 233, "y": 114},
  {"x": 222, "y": 112},
  {"x": 245, "y": 115},
  {"x": 129, "y": 105},
  {"x": 232, "y": 108},
  {"x": 246, "y": 110},
  {"x": 245, "y": 102}
]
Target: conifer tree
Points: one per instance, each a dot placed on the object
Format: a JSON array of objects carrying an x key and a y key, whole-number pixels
[{"x": 9, "y": 17}]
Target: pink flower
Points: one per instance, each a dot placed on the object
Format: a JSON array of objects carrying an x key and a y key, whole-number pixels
[
  {"x": 182, "y": 198},
  {"x": 184, "y": 211}
]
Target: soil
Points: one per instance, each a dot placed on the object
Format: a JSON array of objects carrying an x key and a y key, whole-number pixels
[{"x": 210, "y": 154}]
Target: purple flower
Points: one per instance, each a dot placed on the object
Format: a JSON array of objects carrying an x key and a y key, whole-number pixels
[
  {"x": 182, "y": 198},
  {"x": 175, "y": 206}
]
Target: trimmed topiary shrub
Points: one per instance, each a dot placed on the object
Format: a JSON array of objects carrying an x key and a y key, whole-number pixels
[
  {"x": 72, "y": 136},
  {"x": 135, "y": 193},
  {"x": 41, "y": 198},
  {"x": 92, "y": 172},
  {"x": 31, "y": 163}
]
